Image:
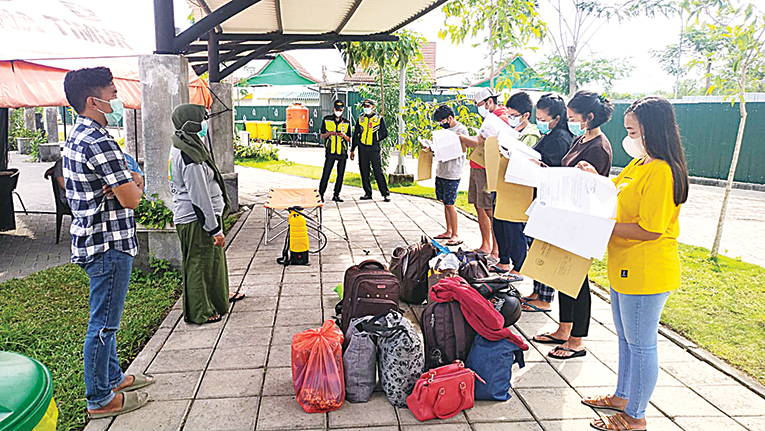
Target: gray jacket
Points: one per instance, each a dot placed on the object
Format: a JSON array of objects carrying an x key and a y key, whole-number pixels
[{"x": 196, "y": 194}]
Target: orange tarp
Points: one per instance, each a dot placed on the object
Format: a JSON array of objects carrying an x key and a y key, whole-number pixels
[{"x": 25, "y": 84}]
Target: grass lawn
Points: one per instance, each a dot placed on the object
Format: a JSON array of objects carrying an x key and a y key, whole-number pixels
[
  {"x": 720, "y": 306},
  {"x": 45, "y": 316}
]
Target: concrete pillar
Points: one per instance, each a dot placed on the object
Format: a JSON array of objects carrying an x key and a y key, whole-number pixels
[
  {"x": 29, "y": 119},
  {"x": 51, "y": 124},
  {"x": 222, "y": 137},
  {"x": 164, "y": 85},
  {"x": 133, "y": 141}
]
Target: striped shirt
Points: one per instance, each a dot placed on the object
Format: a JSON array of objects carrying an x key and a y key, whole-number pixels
[{"x": 93, "y": 159}]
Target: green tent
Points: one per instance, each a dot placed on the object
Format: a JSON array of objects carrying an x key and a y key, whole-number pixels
[
  {"x": 282, "y": 70},
  {"x": 526, "y": 82}
]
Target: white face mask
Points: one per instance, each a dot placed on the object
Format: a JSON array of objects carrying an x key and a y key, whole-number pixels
[
  {"x": 514, "y": 121},
  {"x": 368, "y": 111},
  {"x": 338, "y": 114},
  {"x": 482, "y": 111},
  {"x": 634, "y": 147}
]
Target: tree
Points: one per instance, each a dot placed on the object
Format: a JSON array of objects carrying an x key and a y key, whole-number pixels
[
  {"x": 578, "y": 26},
  {"x": 554, "y": 72},
  {"x": 698, "y": 46},
  {"x": 742, "y": 29},
  {"x": 512, "y": 25}
]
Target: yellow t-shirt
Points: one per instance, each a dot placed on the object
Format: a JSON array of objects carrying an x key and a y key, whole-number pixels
[{"x": 645, "y": 197}]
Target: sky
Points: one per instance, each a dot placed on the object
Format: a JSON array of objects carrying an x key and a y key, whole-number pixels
[{"x": 633, "y": 39}]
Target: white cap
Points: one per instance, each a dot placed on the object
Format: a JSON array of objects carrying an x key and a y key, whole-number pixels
[{"x": 484, "y": 94}]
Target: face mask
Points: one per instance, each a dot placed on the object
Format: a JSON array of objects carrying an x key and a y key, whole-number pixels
[
  {"x": 514, "y": 121},
  {"x": 634, "y": 147},
  {"x": 543, "y": 126},
  {"x": 367, "y": 111},
  {"x": 445, "y": 125},
  {"x": 338, "y": 114},
  {"x": 203, "y": 132},
  {"x": 482, "y": 111},
  {"x": 576, "y": 128},
  {"x": 113, "y": 118}
]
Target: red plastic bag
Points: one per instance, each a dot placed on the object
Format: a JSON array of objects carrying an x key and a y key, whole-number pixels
[{"x": 317, "y": 368}]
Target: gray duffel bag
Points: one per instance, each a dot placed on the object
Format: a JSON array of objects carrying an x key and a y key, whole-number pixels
[{"x": 360, "y": 362}]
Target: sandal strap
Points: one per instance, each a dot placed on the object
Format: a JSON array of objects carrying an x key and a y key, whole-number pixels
[{"x": 621, "y": 421}]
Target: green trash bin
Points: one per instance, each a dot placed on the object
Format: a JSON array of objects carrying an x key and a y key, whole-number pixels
[{"x": 26, "y": 395}]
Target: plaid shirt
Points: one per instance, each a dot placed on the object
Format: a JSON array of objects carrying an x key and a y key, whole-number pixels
[{"x": 91, "y": 160}]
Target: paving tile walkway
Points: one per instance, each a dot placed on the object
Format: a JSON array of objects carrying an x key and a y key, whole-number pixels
[{"x": 235, "y": 375}]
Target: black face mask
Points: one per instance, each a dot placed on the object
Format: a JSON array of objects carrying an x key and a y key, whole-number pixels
[{"x": 445, "y": 125}]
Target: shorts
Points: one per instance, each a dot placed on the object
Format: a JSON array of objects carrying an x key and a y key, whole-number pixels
[
  {"x": 446, "y": 190},
  {"x": 476, "y": 194}
]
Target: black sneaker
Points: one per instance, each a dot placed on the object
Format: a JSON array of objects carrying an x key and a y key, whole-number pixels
[
  {"x": 366, "y": 198},
  {"x": 386, "y": 198},
  {"x": 337, "y": 199}
]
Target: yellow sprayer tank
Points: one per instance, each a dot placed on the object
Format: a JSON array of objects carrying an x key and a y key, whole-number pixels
[{"x": 298, "y": 233}]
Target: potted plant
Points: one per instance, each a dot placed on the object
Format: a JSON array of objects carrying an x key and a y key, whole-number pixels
[{"x": 156, "y": 233}]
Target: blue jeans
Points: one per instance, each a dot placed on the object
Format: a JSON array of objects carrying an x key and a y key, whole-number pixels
[
  {"x": 636, "y": 318},
  {"x": 109, "y": 274}
]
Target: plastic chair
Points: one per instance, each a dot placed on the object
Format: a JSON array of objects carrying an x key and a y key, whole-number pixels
[{"x": 62, "y": 208}]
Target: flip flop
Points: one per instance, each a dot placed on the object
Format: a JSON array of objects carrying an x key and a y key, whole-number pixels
[
  {"x": 550, "y": 339},
  {"x": 481, "y": 252},
  {"x": 454, "y": 243},
  {"x": 511, "y": 278},
  {"x": 131, "y": 401},
  {"x": 535, "y": 309},
  {"x": 614, "y": 423},
  {"x": 606, "y": 404},
  {"x": 237, "y": 297},
  {"x": 576, "y": 353},
  {"x": 442, "y": 236},
  {"x": 139, "y": 381},
  {"x": 213, "y": 319},
  {"x": 498, "y": 270},
  {"x": 526, "y": 299}
]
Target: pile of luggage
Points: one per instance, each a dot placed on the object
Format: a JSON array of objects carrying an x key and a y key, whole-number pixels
[{"x": 465, "y": 328}]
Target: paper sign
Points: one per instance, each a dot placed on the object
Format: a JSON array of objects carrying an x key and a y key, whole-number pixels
[
  {"x": 446, "y": 145},
  {"x": 555, "y": 267},
  {"x": 582, "y": 234},
  {"x": 521, "y": 170},
  {"x": 491, "y": 157},
  {"x": 512, "y": 199},
  {"x": 424, "y": 165},
  {"x": 575, "y": 190}
]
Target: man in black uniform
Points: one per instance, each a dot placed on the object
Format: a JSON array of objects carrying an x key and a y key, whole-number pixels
[
  {"x": 369, "y": 131},
  {"x": 335, "y": 130}
]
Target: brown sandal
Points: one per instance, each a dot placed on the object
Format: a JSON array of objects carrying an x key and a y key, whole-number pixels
[
  {"x": 614, "y": 423},
  {"x": 601, "y": 402}
]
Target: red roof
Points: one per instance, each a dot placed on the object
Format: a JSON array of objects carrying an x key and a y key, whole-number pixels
[{"x": 428, "y": 60}]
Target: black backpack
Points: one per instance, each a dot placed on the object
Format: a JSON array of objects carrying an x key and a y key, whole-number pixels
[{"x": 447, "y": 334}]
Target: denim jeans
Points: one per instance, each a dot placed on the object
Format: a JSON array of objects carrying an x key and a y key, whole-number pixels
[
  {"x": 109, "y": 274},
  {"x": 636, "y": 318}
]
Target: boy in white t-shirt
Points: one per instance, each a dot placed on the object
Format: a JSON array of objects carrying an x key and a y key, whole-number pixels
[{"x": 448, "y": 175}]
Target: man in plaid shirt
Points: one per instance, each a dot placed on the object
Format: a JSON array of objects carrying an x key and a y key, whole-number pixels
[{"x": 102, "y": 193}]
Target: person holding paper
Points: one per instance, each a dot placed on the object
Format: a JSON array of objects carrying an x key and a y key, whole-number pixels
[
  {"x": 555, "y": 143},
  {"x": 370, "y": 130},
  {"x": 643, "y": 265},
  {"x": 448, "y": 174},
  {"x": 478, "y": 194},
  {"x": 511, "y": 241},
  {"x": 334, "y": 130},
  {"x": 587, "y": 111}
]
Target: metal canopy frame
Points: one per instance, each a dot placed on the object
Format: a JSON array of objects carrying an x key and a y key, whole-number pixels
[{"x": 209, "y": 49}]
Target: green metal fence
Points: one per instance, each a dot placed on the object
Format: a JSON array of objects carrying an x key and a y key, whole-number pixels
[{"x": 708, "y": 131}]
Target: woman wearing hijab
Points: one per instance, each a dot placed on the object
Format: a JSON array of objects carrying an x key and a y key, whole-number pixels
[{"x": 199, "y": 203}]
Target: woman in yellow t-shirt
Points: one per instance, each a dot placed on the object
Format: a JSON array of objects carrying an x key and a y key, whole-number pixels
[{"x": 643, "y": 265}]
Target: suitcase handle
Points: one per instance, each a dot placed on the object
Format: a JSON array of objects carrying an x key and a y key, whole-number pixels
[{"x": 372, "y": 262}]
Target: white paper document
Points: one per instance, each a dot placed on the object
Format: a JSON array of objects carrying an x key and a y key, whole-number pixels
[
  {"x": 582, "y": 234},
  {"x": 446, "y": 145},
  {"x": 574, "y": 190},
  {"x": 521, "y": 170},
  {"x": 494, "y": 126},
  {"x": 425, "y": 143},
  {"x": 509, "y": 142}
]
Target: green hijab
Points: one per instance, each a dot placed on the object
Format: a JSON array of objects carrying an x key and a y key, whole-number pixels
[{"x": 187, "y": 119}]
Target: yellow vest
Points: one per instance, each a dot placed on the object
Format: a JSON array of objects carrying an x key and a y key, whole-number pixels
[
  {"x": 336, "y": 143},
  {"x": 369, "y": 127}
]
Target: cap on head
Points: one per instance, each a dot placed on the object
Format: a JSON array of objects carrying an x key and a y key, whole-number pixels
[
  {"x": 369, "y": 102},
  {"x": 484, "y": 94},
  {"x": 338, "y": 105}
]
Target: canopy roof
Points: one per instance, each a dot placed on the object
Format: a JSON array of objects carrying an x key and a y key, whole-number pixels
[
  {"x": 282, "y": 70},
  {"x": 517, "y": 66},
  {"x": 47, "y": 38},
  {"x": 239, "y": 31}
]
